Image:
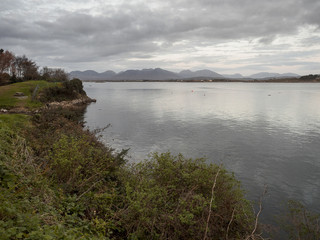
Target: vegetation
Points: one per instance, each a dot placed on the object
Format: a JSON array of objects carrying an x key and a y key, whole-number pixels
[
  {"x": 37, "y": 93},
  {"x": 171, "y": 197},
  {"x": 8, "y": 100},
  {"x": 20, "y": 68},
  {"x": 299, "y": 223},
  {"x": 68, "y": 90},
  {"x": 311, "y": 77}
]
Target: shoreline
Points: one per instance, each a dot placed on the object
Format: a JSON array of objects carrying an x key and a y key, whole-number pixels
[{"x": 82, "y": 101}]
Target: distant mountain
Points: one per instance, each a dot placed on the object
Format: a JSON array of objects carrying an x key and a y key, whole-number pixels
[
  {"x": 84, "y": 75},
  {"x": 146, "y": 74},
  {"x": 92, "y": 75},
  {"x": 236, "y": 75},
  {"x": 107, "y": 74},
  {"x": 200, "y": 73},
  {"x": 162, "y": 74},
  {"x": 267, "y": 75}
]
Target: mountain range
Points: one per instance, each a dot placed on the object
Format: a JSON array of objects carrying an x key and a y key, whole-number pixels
[{"x": 162, "y": 74}]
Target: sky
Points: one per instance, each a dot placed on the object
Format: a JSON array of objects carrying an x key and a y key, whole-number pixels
[{"x": 225, "y": 36}]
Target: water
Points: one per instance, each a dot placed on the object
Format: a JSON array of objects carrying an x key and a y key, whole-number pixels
[{"x": 266, "y": 133}]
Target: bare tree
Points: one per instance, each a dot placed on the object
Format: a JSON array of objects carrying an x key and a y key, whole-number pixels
[
  {"x": 6, "y": 61},
  {"x": 54, "y": 74},
  {"x": 26, "y": 69}
]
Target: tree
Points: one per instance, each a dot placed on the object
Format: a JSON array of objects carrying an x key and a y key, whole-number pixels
[
  {"x": 26, "y": 68},
  {"x": 6, "y": 61},
  {"x": 54, "y": 74},
  {"x": 6, "y": 65}
]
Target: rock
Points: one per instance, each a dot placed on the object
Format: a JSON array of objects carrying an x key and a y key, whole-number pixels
[
  {"x": 76, "y": 102},
  {"x": 19, "y": 110},
  {"x": 3, "y": 110},
  {"x": 19, "y": 94}
]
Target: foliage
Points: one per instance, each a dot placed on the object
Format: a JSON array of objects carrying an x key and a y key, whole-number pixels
[
  {"x": 83, "y": 168},
  {"x": 79, "y": 164},
  {"x": 21, "y": 68},
  {"x": 4, "y": 78},
  {"x": 69, "y": 90},
  {"x": 36, "y": 205},
  {"x": 310, "y": 77},
  {"x": 25, "y": 69},
  {"x": 299, "y": 223},
  {"x": 54, "y": 75},
  {"x": 168, "y": 197},
  {"x": 6, "y": 61}
]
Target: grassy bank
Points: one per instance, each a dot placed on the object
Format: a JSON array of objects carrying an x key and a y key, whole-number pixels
[{"x": 8, "y": 100}]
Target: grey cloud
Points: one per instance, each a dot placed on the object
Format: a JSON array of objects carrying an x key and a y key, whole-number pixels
[{"x": 135, "y": 28}]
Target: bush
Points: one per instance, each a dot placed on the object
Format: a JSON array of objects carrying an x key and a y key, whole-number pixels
[
  {"x": 4, "y": 78},
  {"x": 54, "y": 74},
  {"x": 74, "y": 85},
  {"x": 37, "y": 198},
  {"x": 79, "y": 164},
  {"x": 299, "y": 223},
  {"x": 68, "y": 90},
  {"x": 168, "y": 197}
]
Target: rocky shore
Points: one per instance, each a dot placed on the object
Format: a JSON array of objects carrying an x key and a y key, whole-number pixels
[{"x": 82, "y": 101}]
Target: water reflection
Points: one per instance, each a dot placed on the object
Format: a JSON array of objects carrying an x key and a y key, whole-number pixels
[{"x": 265, "y": 133}]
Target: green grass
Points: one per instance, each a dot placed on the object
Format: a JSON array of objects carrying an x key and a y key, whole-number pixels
[
  {"x": 14, "y": 121},
  {"x": 8, "y": 101}
]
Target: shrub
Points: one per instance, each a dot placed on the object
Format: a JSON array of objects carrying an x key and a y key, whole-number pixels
[
  {"x": 68, "y": 90},
  {"x": 54, "y": 74},
  {"x": 74, "y": 85},
  {"x": 299, "y": 223},
  {"x": 4, "y": 78},
  {"x": 168, "y": 197},
  {"x": 33, "y": 204},
  {"x": 79, "y": 164}
]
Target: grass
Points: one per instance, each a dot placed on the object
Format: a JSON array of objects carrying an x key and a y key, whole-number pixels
[
  {"x": 14, "y": 121},
  {"x": 8, "y": 101}
]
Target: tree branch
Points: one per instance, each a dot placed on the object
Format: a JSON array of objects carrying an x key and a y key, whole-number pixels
[{"x": 211, "y": 200}]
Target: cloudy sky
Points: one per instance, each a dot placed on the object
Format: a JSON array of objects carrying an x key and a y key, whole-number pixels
[{"x": 226, "y": 36}]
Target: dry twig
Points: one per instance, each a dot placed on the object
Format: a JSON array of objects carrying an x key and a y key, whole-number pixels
[
  {"x": 252, "y": 235},
  {"x": 232, "y": 216},
  {"x": 211, "y": 200}
]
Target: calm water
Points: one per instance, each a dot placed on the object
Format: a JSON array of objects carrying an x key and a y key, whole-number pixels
[{"x": 266, "y": 133}]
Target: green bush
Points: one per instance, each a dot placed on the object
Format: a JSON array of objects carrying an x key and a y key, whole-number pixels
[
  {"x": 168, "y": 197},
  {"x": 79, "y": 164},
  {"x": 74, "y": 85},
  {"x": 299, "y": 223},
  {"x": 32, "y": 206},
  {"x": 68, "y": 90}
]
